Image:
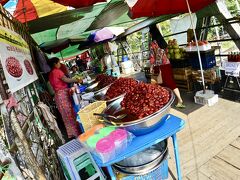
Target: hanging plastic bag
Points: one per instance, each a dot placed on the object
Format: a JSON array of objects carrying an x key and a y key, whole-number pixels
[{"x": 159, "y": 78}]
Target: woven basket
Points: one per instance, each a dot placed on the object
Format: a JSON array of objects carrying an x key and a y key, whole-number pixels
[{"x": 87, "y": 118}]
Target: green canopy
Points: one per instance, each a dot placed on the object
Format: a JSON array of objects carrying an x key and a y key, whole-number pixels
[
  {"x": 79, "y": 23},
  {"x": 58, "y": 26},
  {"x": 67, "y": 53}
]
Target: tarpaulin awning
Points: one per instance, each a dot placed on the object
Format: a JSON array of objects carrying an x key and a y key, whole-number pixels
[
  {"x": 68, "y": 52},
  {"x": 154, "y": 8},
  {"x": 60, "y": 44},
  {"x": 54, "y": 27}
]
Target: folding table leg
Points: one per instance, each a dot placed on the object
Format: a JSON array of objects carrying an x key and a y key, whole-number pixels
[
  {"x": 176, "y": 153},
  {"x": 111, "y": 173}
]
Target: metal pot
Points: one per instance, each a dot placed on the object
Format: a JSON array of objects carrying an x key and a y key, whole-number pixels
[
  {"x": 151, "y": 155},
  {"x": 92, "y": 81},
  {"x": 144, "y": 169},
  {"x": 144, "y": 125}
]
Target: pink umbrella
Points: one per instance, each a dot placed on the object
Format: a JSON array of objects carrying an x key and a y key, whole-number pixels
[{"x": 105, "y": 34}]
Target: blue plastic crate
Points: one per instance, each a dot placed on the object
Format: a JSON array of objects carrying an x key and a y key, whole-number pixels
[
  {"x": 208, "y": 59},
  {"x": 161, "y": 173}
]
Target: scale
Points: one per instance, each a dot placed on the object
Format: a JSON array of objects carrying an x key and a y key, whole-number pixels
[{"x": 77, "y": 163}]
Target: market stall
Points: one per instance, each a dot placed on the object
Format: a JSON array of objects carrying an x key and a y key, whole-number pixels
[
  {"x": 122, "y": 118},
  {"x": 130, "y": 129}
]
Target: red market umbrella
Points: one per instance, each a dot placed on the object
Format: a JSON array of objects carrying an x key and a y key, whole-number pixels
[
  {"x": 154, "y": 8},
  {"x": 28, "y": 10},
  {"x": 78, "y": 3}
]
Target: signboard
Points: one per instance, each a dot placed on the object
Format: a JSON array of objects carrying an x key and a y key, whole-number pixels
[
  {"x": 16, "y": 60},
  {"x": 232, "y": 68}
]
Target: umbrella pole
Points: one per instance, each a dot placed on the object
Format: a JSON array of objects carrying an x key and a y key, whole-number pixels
[{"x": 199, "y": 56}]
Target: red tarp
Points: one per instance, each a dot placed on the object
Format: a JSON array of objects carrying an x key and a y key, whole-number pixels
[
  {"x": 78, "y": 3},
  {"x": 154, "y": 8}
]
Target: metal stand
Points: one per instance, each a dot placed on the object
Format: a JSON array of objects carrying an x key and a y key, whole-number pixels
[{"x": 229, "y": 79}]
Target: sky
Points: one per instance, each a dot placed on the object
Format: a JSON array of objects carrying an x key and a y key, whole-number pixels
[{"x": 10, "y": 6}]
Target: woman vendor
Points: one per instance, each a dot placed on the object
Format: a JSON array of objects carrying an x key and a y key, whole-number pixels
[
  {"x": 162, "y": 67},
  {"x": 60, "y": 82}
]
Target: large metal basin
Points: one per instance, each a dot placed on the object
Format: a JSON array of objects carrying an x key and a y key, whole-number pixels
[
  {"x": 101, "y": 95},
  {"x": 144, "y": 125}
]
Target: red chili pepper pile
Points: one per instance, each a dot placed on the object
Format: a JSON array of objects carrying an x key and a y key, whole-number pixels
[
  {"x": 105, "y": 82},
  {"x": 145, "y": 99},
  {"x": 28, "y": 67},
  {"x": 13, "y": 67},
  {"x": 121, "y": 86}
]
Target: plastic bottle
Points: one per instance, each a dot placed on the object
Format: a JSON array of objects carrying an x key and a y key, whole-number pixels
[
  {"x": 77, "y": 88},
  {"x": 75, "y": 99}
]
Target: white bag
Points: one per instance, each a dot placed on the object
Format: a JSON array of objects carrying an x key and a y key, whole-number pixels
[{"x": 159, "y": 78}]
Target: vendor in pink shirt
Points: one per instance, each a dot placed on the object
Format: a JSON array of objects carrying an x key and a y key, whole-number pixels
[{"x": 60, "y": 82}]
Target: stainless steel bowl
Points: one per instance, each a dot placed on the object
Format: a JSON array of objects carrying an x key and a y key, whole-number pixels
[
  {"x": 144, "y": 125},
  {"x": 100, "y": 96},
  {"x": 141, "y": 170},
  {"x": 92, "y": 87},
  {"x": 90, "y": 82},
  {"x": 149, "y": 156}
]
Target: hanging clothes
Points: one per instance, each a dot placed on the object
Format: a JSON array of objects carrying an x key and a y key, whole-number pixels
[{"x": 50, "y": 119}]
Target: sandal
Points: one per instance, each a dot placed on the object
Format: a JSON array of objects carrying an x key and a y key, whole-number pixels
[{"x": 180, "y": 105}]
